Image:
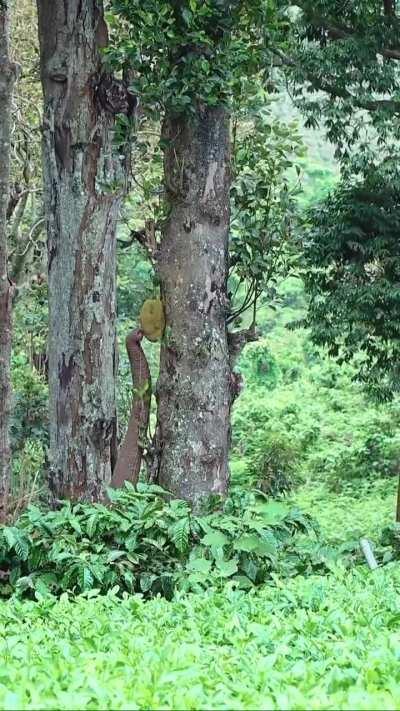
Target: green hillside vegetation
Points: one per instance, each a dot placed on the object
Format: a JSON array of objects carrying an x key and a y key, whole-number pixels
[{"x": 263, "y": 152}]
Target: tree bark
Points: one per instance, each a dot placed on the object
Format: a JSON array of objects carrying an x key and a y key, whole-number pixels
[
  {"x": 8, "y": 73},
  {"x": 194, "y": 389},
  {"x": 84, "y": 183}
]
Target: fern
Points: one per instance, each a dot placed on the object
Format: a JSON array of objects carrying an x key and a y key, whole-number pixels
[
  {"x": 179, "y": 534},
  {"x": 16, "y": 539},
  {"x": 86, "y": 579}
]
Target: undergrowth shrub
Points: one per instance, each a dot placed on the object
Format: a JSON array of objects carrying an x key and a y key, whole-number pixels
[
  {"x": 30, "y": 406},
  {"x": 319, "y": 426},
  {"x": 390, "y": 540},
  {"x": 273, "y": 463},
  {"x": 144, "y": 543}
]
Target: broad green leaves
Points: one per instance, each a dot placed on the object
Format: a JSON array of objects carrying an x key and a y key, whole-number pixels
[
  {"x": 327, "y": 642},
  {"x": 190, "y": 52},
  {"x": 144, "y": 543}
]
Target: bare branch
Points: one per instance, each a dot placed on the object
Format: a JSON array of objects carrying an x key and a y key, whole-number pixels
[{"x": 20, "y": 259}]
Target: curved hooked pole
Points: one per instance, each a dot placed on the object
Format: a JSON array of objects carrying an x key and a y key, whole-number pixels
[{"x": 131, "y": 450}]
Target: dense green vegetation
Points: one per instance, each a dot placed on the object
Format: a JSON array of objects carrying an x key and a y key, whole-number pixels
[
  {"x": 318, "y": 642},
  {"x": 254, "y": 594},
  {"x": 308, "y": 632}
]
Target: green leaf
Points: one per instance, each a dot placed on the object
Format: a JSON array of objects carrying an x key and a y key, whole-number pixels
[
  {"x": 272, "y": 512},
  {"x": 268, "y": 548},
  {"x": 86, "y": 579},
  {"x": 199, "y": 565},
  {"x": 215, "y": 539},
  {"x": 114, "y": 555},
  {"x": 247, "y": 543},
  {"x": 179, "y": 533},
  {"x": 15, "y": 539},
  {"x": 226, "y": 568}
]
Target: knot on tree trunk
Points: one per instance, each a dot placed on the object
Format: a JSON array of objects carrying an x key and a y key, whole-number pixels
[{"x": 114, "y": 96}]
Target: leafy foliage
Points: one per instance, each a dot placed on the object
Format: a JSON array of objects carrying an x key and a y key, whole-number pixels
[
  {"x": 363, "y": 508},
  {"x": 352, "y": 259},
  {"x": 263, "y": 248},
  {"x": 343, "y": 63},
  {"x": 273, "y": 463},
  {"x": 143, "y": 544},
  {"x": 30, "y": 404},
  {"x": 192, "y": 52},
  {"x": 315, "y": 643},
  {"x": 303, "y": 417}
]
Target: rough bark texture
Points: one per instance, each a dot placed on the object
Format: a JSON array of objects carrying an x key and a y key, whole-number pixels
[
  {"x": 7, "y": 78},
  {"x": 131, "y": 450},
  {"x": 83, "y": 189},
  {"x": 194, "y": 389}
]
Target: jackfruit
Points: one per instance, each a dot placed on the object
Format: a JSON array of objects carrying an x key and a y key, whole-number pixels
[{"x": 152, "y": 319}]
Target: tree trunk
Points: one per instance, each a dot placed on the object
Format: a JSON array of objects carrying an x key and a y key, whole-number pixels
[
  {"x": 7, "y": 78},
  {"x": 84, "y": 184},
  {"x": 194, "y": 388}
]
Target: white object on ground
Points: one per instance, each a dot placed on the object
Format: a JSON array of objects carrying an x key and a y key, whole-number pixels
[{"x": 366, "y": 548}]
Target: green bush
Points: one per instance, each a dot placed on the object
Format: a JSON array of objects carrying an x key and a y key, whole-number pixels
[
  {"x": 143, "y": 543},
  {"x": 30, "y": 404},
  {"x": 326, "y": 642},
  {"x": 316, "y": 423},
  {"x": 273, "y": 464},
  {"x": 259, "y": 366}
]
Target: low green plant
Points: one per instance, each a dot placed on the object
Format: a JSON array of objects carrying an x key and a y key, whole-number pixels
[
  {"x": 322, "y": 642},
  {"x": 273, "y": 463},
  {"x": 360, "y": 510},
  {"x": 144, "y": 543}
]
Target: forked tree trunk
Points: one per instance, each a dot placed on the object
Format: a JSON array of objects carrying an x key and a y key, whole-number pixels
[
  {"x": 194, "y": 393},
  {"x": 84, "y": 184},
  {"x": 7, "y": 79}
]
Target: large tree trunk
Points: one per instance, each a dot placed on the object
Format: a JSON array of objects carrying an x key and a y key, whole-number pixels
[
  {"x": 194, "y": 388},
  {"x": 7, "y": 78},
  {"x": 83, "y": 189}
]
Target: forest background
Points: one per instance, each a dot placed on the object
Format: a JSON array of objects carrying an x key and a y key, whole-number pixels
[{"x": 315, "y": 430}]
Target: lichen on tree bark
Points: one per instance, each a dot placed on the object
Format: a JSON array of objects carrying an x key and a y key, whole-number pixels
[
  {"x": 85, "y": 180},
  {"x": 193, "y": 392}
]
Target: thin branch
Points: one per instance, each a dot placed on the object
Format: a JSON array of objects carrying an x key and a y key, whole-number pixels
[
  {"x": 342, "y": 32},
  {"x": 21, "y": 257},
  {"x": 339, "y": 92}
]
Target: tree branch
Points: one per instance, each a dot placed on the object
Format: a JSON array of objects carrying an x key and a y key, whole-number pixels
[
  {"x": 342, "y": 32},
  {"x": 339, "y": 92}
]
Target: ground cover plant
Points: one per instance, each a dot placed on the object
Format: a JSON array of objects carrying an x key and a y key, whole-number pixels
[
  {"x": 326, "y": 641},
  {"x": 317, "y": 643},
  {"x": 142, "y": 542}
]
